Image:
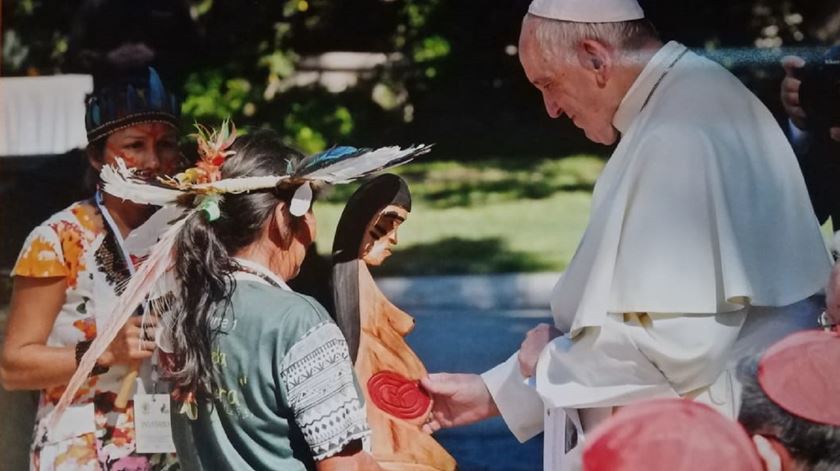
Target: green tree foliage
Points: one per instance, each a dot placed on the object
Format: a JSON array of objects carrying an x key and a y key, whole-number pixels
[
  {"x": 35, "y": 35},
  {"x": 253, "y": 60},
  {"x": 437, "y": 71}
]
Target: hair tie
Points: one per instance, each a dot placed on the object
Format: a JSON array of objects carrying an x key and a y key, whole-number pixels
[{"x": 210, "y": 205}]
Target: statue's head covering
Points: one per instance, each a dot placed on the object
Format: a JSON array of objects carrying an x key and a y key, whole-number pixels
[
  {"x": 365, "y": 204},
  {"x": 128, "y": 98},
  {"x": 587, "y": 11},
  {"x": 670, "y": 435},
  {"x": 799, "y": 374},
  {"x": 362, "y": 207}
]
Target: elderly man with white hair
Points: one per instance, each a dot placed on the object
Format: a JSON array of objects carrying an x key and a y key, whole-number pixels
[{"x": 702, "y": 245}]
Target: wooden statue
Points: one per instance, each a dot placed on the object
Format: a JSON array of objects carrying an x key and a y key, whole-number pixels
[{"x": 387, "y": 369}]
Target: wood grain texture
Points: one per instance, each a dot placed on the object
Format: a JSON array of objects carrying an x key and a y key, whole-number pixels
[{"x": 397, "y": 444}]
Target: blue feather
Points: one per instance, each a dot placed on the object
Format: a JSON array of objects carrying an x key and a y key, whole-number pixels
[
  {"x": 328, "y": 157},
  {"x": 130, "y": 99},
  {"x": 95, "y": 114},
  {"x": 157, "y": 95},
  {"x": 344, "y": 165},
  {"x": 108, "y": 107},
  {"x": 334, "y": 153}
]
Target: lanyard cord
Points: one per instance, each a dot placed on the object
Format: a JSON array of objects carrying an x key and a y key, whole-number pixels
[
  {"x": 116, "y": 231},
  {"x": 109, "y": 220}
]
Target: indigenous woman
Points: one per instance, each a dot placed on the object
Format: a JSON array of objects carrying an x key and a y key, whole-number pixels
[
  {"x": 71, "y": 270},
  {"x": 375, "y": 329},
  {"x": 268, "y": 370}
]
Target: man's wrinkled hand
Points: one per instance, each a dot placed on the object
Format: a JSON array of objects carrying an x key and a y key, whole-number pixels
[
  {"x": 535, "y": 341},
  {"x": 457, "y": 399}
]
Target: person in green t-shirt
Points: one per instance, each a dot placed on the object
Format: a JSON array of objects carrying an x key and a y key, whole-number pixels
[{"x": 265, "y": 371}]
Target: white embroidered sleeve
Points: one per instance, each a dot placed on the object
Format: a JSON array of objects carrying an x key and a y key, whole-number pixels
[{"x": 318, "y": 378}]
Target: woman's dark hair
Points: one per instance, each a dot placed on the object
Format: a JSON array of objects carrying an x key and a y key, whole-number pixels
[
  {"x": 94, "y": 151},
  {"x": 361, "y": 208},
  {"x": 203, "y": 249}
]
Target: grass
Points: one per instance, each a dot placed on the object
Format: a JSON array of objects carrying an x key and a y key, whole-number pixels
[{"x": 490, "y": 216}]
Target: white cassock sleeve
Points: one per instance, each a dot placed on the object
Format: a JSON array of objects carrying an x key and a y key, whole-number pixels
[
  {"x": 520, "y": 405},
  {"x": 630, "y": 358},
  {"x": 637, "y": 356}
]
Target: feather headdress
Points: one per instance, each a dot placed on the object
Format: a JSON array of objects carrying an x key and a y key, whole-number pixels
[
  {"x": 126, "y": 98},
  {"x": 341, "y": 164},
  {"x": 202, "y": 185}
]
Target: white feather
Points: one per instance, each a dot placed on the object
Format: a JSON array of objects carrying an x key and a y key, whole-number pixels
[
  {"x": 378, "y": 159},
  {"x": 140, "y": 240},
  {"x": 121, "y": 182},
  {"x": 301, "y": 200},
  {"x": 240, "y": 185}
]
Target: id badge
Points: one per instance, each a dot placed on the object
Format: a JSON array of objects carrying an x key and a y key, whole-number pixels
[{"x": 153, "y": 423}]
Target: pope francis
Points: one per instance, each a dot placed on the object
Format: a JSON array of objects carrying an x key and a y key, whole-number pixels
[{"x": 702, "y": 245}]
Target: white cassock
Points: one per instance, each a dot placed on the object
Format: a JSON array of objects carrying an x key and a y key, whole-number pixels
[{"x": 702, "y": 246}]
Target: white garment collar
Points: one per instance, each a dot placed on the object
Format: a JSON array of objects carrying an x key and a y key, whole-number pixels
[
  {"x": 259, "y": 268},
  {"x": 645, "y": 84}
]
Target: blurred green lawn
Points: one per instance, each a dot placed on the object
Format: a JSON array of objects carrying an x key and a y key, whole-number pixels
[
  {"x": 487, "y": 216},
  {"x": 490, "y": 216}
]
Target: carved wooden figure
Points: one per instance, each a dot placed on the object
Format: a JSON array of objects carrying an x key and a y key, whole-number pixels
[{"x": 388, "y": 370}]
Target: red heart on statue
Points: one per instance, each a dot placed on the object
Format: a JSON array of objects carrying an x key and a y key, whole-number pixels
[{"x": 398, "y": 395}]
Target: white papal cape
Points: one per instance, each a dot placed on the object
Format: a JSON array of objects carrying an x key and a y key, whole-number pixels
[{"x": 702, "y": 246}]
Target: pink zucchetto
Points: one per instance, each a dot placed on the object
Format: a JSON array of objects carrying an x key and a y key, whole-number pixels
[
  {"x": 670, "y": 435},
  {"x": 587, "y": 11},
  {"x": 799, "y": 374}
]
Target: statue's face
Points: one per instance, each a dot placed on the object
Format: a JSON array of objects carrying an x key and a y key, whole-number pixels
[{"x": 381, "y": 235}]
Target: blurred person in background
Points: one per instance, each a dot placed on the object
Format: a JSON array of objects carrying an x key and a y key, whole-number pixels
[
  {"x": 670, "y": 435},
  {"x": 790, "y": 402},
  {"x": 815, "y": 137},
  {"x": 816, "y": 141}
]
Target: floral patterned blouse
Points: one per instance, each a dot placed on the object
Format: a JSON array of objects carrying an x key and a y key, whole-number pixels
[{"x": 76, "y": 244}]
